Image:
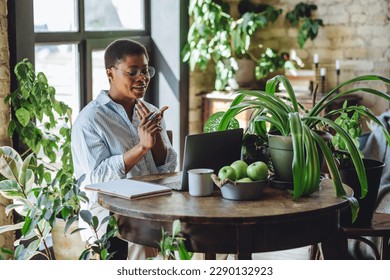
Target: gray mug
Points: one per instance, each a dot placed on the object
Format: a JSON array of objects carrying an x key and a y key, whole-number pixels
[{"x": 200, "y": 182}]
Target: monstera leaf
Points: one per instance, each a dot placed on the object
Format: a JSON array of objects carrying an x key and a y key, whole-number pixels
[{"x": 212, "y": 123}]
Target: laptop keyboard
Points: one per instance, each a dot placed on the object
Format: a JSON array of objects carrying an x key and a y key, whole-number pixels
[{"x": 173, "y": 185}]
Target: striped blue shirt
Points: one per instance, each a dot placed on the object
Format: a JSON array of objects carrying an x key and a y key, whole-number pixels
[{"x": 101, "y": 134}]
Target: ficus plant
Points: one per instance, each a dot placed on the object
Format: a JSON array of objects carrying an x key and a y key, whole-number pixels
[
  {"x": 288, "y": 117},
  {"x": 38, "y": 205},
  {"x": 43, "y": 125},
  {"x": 40, "y": 181}
]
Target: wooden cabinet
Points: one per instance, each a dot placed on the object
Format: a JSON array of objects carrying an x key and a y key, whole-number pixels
[{"x": 216, "y": 101}]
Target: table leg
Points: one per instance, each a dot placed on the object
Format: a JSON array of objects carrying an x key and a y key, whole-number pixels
[
  {"x": 314, "y": 252},
  {"x": 385, "y": 248},
  {"x": 210, "y": 256},
  {"x": 244, "y": 256},
  {"x": 335, "y": 248}
]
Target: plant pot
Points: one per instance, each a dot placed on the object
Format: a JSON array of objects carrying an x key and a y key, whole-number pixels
[
  {"x": 66, "y": 246},
  {"x": 245, "y": 75},
  {"x": 367, "y": 205},
  {"x": 281, "y": 151}
]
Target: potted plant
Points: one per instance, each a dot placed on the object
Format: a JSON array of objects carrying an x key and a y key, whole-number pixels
[
  {"x": 43, "y": 126},
  {"x": 44, "y": 188},
  {"x": 302, "y": 17},
  {"x": 38, "y": 205},
  {"x": 215, "y": 36},
  {"x": 352, "y": 124},
  {"x": 300, "y": 127}
]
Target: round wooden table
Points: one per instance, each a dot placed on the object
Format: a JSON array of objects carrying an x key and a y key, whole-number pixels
[{"x": 215, "y": 225}]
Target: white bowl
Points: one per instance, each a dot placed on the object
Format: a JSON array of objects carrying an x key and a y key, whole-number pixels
[{"x": 243, "y": 190}]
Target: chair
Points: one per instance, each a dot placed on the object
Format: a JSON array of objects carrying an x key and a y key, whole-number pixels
[
  {"x": 377, "y": 235},
  {"x": 380, "y": 227}
]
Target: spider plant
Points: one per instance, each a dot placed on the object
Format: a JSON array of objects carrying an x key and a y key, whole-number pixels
[{"x": 287, "y": 117}]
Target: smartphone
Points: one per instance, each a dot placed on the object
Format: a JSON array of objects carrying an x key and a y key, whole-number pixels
[{"x": 154, "y": 115}]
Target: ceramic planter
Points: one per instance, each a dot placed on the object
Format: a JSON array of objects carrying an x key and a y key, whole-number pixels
[
  {"x": 281, "y": 151},
  {"x": 367, "y": 205},
  {"x": 66, "y": 246}
]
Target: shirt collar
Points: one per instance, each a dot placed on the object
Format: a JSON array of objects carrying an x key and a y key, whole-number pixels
[{"x": 103, "y": 98}]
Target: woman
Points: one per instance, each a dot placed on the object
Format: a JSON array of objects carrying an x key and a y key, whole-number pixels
[{"x": 114, "y": 137}]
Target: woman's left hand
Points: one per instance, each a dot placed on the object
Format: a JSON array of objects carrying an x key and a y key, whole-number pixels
[
  {"x": 148, "y": 128},
  {"x": 143, "y": 112}
]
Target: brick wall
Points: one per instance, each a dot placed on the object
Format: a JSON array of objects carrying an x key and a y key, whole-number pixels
[
  {"x": 356, "y": 32},
  {"x": 6, "y": 240}
]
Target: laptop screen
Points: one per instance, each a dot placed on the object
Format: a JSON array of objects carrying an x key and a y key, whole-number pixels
[{"x": 211, "y": 150}]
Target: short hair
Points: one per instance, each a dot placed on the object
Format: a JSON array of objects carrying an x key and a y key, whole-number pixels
[{"x": 118, "y": 49}]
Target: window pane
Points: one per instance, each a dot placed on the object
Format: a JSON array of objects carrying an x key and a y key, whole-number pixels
[
  {"x": 103, "y": 15},
  {"x": 61, "y": 66},
  {"x": 55, "y": 16},
  {"x": 99, "y": 77}
]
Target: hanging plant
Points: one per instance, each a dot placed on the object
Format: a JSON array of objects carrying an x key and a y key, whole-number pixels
[{"x": 302, "y": 16}]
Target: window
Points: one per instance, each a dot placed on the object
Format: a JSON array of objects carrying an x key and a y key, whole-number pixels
[
  {"x": 66, "y": 40},
  {"x": 114, "y": 15}
]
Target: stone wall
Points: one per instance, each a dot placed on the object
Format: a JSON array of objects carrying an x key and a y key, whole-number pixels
[
  {"x": 6, "y": 240},
  {"x": 356, "y": 32}
]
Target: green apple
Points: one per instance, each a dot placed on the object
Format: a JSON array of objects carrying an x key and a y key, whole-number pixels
[
  {"x": 227, "y": 172},
  {"x": 240, "y": 167},
  {"x": 257, "y": 171},
  {"x": 245, "y": 180}
]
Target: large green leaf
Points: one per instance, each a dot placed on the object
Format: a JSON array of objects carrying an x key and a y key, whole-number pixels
[
  {"x": 10, "y": 163},
  {"x": 23, "y": 116},
  {"x": 10, "y": 189},
  {"x": 176, "y": 228},
  {"x": 312, "y": 164},
  {"x": 23, "y": 175},
  {"x": 298, "y": 149},
  {"x": 13, "y": 227},
  {"x": 332, "y": 167},
  {"x": 327, "y": 100},
  {"x": 353, "y": 152},
  {"x": 271, "y": 87}
]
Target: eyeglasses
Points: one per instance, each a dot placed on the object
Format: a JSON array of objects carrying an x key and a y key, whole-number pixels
[{"x": 135, "y": 71}]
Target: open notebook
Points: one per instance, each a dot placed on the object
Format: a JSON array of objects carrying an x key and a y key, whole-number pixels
[{"x": 129, "y": 189}]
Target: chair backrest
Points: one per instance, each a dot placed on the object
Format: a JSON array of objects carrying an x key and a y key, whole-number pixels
[{"x": 170, "y": 136}]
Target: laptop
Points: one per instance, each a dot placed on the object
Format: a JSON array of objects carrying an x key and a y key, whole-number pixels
[{"x": 207, "y": 150}]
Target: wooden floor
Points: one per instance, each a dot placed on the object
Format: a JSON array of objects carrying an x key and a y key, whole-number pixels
[{"x": 302, "y": 253}]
